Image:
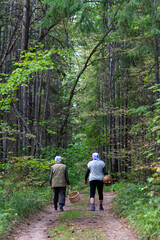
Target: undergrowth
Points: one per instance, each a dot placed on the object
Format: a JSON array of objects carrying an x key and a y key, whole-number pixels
[
  {"x": 21, "y": 203},
  {"x": 24, "y": 187},
  {"x": 141, "y": 205}
]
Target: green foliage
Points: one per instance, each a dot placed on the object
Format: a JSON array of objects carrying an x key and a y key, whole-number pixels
[
  {"x": 60, "y": 10},
  {"x": 24, "y": 187},
  {"x": 30, "y": 63},
  {"x": 146, "y": 133},
  {"x": 138, "y": 111},
  {"x": 11, "y": 131},
  {"x": 26, "y": 171},
  {"x": 87, "y": 19},
  {"x": 140, "y": 203},
  {"x": 115, "y": 187},
  {"x": 125, "y": 60},
  {"x": 139, "y": 16}
]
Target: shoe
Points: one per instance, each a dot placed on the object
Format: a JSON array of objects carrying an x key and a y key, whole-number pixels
[
  {"x": 55, "y": 207},
  {"x": 92, "y": 208},
  {"x": 101, "y": 208},
  {"x": 61, "y": 207}
]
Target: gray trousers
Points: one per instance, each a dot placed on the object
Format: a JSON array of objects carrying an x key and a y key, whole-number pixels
[{"x": 59, "y": 195}]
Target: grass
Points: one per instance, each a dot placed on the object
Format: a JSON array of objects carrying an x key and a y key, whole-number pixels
[
  {"x": 74, "y": 214},
  {"x": 20, "y": 204},
  {"x": 141, "y": 207},
  {"x": 75, "y": 232}
]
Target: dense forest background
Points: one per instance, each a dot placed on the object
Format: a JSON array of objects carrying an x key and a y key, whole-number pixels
[
  {"x": 81, "y": 73},
  {"x": 77, "y": 77}
]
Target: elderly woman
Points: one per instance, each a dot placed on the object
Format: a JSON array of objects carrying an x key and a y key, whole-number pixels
[
  {"x": 96, "y": 170},
  {"x": 58, "y": 180}
]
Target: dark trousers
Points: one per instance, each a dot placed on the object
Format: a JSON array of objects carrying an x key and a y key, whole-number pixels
[
  {"x": 59, "y": 195},
  {"x": 96, "y": 184}
]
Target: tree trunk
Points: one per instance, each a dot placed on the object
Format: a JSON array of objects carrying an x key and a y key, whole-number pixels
[{"x": 24, "y": 47}]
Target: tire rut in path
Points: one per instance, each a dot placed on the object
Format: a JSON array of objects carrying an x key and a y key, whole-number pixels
[
  {"x": 36, "y": 227},
  {"x": 115, "y": 228}
]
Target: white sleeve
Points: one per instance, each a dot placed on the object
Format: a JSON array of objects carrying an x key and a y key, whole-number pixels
[{"x": 88, "y": 165}]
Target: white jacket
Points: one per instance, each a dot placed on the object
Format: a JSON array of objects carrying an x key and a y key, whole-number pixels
[{"x": 96, "y": 168}]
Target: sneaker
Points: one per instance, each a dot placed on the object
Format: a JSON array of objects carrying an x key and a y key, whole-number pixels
[
  {"x": 92, "y": 208},
  {"x": 101, "y": 208},
  {"x": 61, "y": 209}
]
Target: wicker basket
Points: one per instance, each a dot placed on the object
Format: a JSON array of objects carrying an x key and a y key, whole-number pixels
[
  {"x": 74, "y": 197},
  {"x": 107, "y": 180}
]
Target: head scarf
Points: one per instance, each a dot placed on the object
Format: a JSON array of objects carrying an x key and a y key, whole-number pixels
[
  {"x": 95, "y": 156},
  {"x": 58, "y": 158}
]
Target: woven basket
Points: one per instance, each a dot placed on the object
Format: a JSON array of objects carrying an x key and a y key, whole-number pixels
[
  {"x": 107, "y": 180},
  {"x": 74, "y": 197}
]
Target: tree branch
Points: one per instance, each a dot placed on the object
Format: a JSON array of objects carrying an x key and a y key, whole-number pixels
[{"x": 81, "y": 72}]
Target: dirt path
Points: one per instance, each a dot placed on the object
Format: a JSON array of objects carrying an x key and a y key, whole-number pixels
[
  {"x": 37, "y": 226},
  {"x": 114, "y": 227}
]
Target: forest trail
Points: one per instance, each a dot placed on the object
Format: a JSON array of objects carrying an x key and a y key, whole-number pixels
[{"x": 37, "y": 226}]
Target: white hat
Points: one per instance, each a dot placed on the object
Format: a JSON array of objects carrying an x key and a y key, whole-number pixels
[
  {"x": 58, "y": 158},
  {"x": 95, "y": 156}
]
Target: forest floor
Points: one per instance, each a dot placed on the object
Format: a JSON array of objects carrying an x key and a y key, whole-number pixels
[{"x": 101, "y": 224}]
